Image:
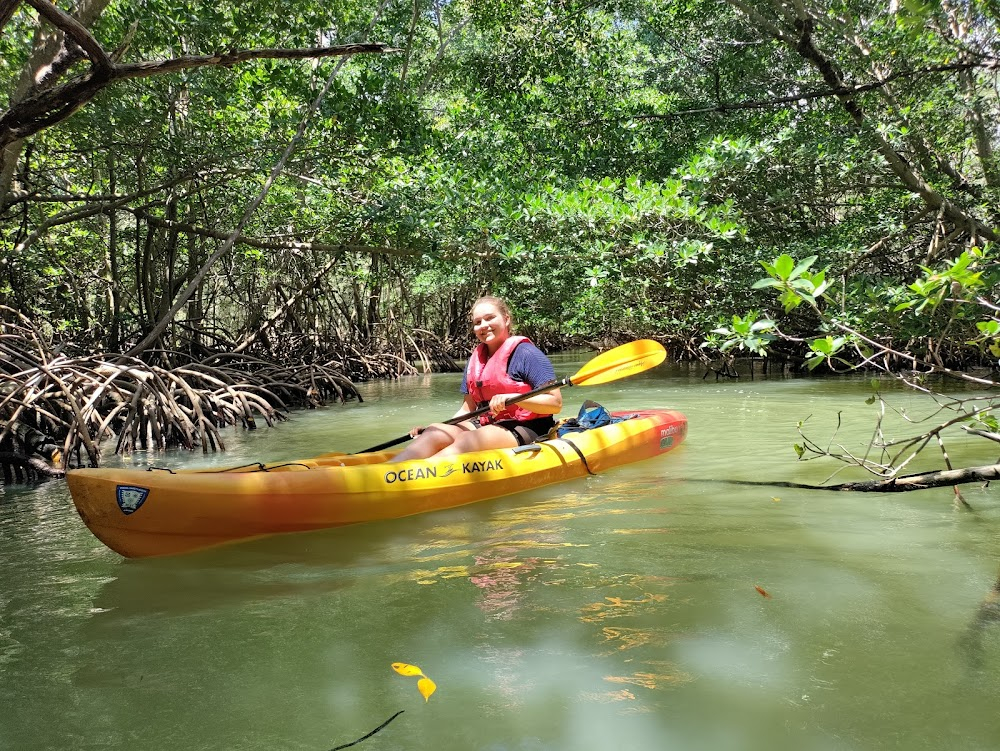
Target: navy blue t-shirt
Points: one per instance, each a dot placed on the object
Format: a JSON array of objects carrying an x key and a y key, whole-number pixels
[{"x": 528, "y": 364}]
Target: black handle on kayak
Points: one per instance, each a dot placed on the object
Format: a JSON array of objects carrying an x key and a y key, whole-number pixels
[{"x": 474, "y": 413}]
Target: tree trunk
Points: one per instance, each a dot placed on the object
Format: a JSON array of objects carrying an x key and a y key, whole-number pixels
[
  {"x": 48, "y": 57},
  {"x": 374, "y": 295},
  {"x": 114, "y": 280},
  {"x": 7, "y": 8}
]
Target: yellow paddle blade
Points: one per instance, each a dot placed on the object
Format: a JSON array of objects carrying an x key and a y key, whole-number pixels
[
  {"x": 620, "y": 362},
  {"x": 426, "y": 687},
  {"x": 403, "y": 669}
]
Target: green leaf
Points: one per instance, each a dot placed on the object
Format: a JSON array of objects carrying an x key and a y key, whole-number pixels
[
  {"x": 803, "y": 266},
  {"x": 783, "y": 266}
]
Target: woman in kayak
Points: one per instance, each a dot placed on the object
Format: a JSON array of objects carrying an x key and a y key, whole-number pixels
[{"x": 502, "y": 366}]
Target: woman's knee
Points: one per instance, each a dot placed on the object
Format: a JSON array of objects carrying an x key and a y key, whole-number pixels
[
  {"x": 437, "y": 435},
  {"x": 490, "y": 437}
]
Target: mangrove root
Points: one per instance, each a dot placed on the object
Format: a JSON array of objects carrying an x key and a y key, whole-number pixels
[{"x": 56, "y": 410}]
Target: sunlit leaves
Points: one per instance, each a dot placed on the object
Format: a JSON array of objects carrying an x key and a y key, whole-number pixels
[
  {"x": 989, "y": 336},
  {"x": 958, "y": 278},
  {"x": 745, "y": 333},
  {"x": 795, "y": 281},
  {"x": 986, "y": 420},
  {"x": 578, "y": 157},
  {"x": 825, "y": 349}
]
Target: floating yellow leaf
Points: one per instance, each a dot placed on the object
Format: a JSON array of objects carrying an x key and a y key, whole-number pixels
[
  {"x": 403, "y": 669},
  {"x": 426, "y": 687}
]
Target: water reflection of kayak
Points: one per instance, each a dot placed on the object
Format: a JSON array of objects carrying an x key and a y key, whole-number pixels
[{"x": 141, "y": 513}]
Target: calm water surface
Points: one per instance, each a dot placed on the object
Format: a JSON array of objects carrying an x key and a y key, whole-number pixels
[{"x": 616, "y": 612}]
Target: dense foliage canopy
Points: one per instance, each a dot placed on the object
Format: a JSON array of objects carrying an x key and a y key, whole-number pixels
[{"x": 617, "y": 168}]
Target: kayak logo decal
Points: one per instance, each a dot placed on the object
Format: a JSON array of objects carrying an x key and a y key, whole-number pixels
[
  {"x": 469, "y": 467},
  {"x": 422, "y": 472},
  {"x": 130, "y": 498},
  {"x": 667, "y": 435},
  {"x": 413, "y": 473}
]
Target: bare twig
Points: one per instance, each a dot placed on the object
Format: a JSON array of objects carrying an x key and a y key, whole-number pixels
[{"x": 368, "y": 735}]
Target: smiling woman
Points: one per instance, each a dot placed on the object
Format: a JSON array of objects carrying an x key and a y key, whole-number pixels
[{"x": 502, "y": 366}]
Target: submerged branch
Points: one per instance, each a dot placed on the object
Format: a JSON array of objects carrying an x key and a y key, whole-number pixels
[{"x": 987, "y": 616}]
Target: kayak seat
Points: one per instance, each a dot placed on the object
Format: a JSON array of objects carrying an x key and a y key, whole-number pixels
[{"x": 592, "y": 415}]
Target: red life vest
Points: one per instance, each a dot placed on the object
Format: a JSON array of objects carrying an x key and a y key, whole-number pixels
[{"x": 488, "y": 376}]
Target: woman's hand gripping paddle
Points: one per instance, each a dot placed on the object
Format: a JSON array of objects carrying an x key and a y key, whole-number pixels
[{"x": 620, "y": 362}]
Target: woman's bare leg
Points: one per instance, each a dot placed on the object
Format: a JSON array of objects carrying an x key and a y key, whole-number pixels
[
  {"x": 486, "y": 437},
  {"x": 433, "y": 439}
]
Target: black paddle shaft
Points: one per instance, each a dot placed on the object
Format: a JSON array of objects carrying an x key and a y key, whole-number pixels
[{"x": 475, "y": 413}]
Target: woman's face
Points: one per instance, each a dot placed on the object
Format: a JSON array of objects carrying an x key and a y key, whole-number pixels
[{"x": 490, "y": 325}]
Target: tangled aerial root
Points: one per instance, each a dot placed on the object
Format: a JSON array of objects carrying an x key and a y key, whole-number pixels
[{"x": 55, "y": 411}]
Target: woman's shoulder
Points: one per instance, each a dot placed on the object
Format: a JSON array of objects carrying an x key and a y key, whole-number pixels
[
  {"x": 528, "y": 348},
  {"x": 531, "y": 365}
]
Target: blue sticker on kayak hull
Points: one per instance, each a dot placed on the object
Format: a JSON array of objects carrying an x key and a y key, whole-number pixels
[{"x": 130, "y": 498}]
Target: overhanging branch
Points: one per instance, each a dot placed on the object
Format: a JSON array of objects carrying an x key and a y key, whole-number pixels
[
  {"x": 41, "y": 108},
  {"x": 782, "y": 101},
  {"x": 254, "y": 242},
  {"x": 75, "y": 31},
  {"x": 7, "y": 8}
]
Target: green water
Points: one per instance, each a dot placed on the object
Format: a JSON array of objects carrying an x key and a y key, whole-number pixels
[{"x": 616, "y": 612}]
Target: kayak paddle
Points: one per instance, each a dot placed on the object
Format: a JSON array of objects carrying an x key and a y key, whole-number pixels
[{"x": 620, "y": 362}]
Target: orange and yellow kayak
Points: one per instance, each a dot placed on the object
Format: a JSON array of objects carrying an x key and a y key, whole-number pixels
[{"x": 154, "y": 512}]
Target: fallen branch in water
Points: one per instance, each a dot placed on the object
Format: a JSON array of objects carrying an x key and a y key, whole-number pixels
[
  {"x": 939, "y": 479},
  {"x": 922, "y": 481}
]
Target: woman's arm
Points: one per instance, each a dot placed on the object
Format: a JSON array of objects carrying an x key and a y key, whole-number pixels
[
  {"x": 530, "y": 365},
  {"x": 467, "y": 406},
  {"x": 548, "y": 403}
]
